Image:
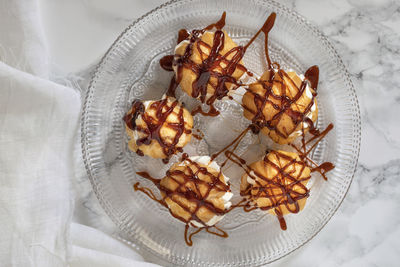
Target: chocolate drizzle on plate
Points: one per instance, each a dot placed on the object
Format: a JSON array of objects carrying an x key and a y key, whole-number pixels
[
  {"x": 166, "y": 62},
  {"x": 309, "y": 145}
]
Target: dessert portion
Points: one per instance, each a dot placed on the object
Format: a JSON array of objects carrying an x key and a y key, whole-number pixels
[
  {"x": 158, "y": 128},
  {"x": 282, "y": 104},
  {"x": 195, "y": 191},
  {"x": 208, "y": 64},
  {"x": 277, "y": 183}
]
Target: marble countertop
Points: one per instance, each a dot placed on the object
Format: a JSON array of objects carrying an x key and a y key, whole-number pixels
[{"x": 366, "y": 229}]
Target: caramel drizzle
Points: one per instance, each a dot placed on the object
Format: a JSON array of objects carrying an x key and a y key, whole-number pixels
[
  {"x": 284, "y": 182},
  {"x": 305, "y": 149},
  {"x": 212, "y": 112},
  {"x": 193, "y": 195},
  {"x": 153, "y": 127},
  {"x": 211, "y": 66},
  {"x": 199, "y": 135},
  {"x": 285, "y": 102},
  {"x": 188, "y": 237},
  {"x": 287, "y": 196},
  {"x": 285, "y": 107}
]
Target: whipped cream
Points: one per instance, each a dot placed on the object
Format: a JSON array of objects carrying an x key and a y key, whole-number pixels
[{"x": 250, "y": 180}]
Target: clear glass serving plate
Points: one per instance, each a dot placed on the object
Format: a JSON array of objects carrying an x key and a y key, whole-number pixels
[{"x": 130, "y": 70}]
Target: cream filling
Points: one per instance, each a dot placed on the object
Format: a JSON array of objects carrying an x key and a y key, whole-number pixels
[
  {"x": 249, "y": 179},
  {"x": 206, "y": 160}
]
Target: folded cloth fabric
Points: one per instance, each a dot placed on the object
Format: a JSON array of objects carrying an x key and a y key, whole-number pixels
[
  {"x": 92, "y": 247},
  {"x": 39, "y": 120}
]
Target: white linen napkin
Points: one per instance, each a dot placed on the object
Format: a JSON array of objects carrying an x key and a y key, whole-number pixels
[
  {"x": 92, "y": 247},
  {"x": 39, "y": 120}
]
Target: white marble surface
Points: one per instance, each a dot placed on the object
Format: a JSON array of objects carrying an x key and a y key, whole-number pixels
[{"x": 366, "y": 229}]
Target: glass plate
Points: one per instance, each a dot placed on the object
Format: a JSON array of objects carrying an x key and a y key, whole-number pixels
[{"x": 130, "y": 70}]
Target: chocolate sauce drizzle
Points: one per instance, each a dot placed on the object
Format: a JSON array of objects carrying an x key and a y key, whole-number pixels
[
  {"x": 198, "y": 134},
  {"x": 309, "y": 145},
  {"x": 288, "y": 196},
  {"x": 214, "y": 65},
  {"x": 194, "y": 188},
  {"x": 284, "y": 181},
  {"x": 279, "y": 190},
  {"x": 285, "y": 102},
  {"x": 277, "y": 76},
  {"x": 152, "y": 131}
]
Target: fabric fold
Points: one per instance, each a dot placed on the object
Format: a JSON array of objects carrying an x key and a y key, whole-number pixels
[
  {"x": 39, "y": 128},
  {"x": 38, "y": 122},
  {"x": 22, "y": 40}
]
